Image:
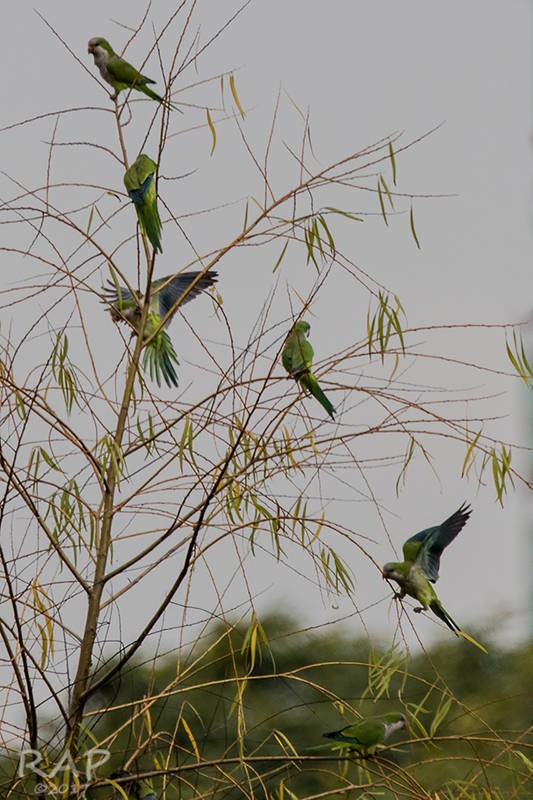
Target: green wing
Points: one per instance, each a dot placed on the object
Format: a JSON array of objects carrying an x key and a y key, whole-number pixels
[
  {"x": 427, "y": 546},
  {"x": 123, "y": 72},
  {"x": 139, "y": 181},
  {"x": 297, "y": 355},
  {"x": 412, "y": 547},
  {"x": 136, "y": 176},
  {"x": 363, "y": 736},
  {"x": 297, "y": 358}
]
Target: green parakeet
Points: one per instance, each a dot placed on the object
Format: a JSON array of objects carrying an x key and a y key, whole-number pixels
[
  {"x": 135, "y": 789},
  {"x": 118, "y": 73},
  {"x": 297, "y": 358},
  {"x": 420, "y": 567},
  {"x": 159, "y": 355},
  {"x": 367, "y": 735},
  {"x": 139, "y": 181}
]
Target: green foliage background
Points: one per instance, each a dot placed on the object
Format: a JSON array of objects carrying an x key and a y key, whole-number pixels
[{"x": 214, "y": 721}]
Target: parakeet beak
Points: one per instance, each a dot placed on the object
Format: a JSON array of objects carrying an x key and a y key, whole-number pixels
[{"x": 90, "y": 49}]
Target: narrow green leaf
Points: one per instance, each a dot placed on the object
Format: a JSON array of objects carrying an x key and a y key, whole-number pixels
[
  {"x": 387, "y": 191},
  {"x": 470, "y": 456},
  {"x": 90, "y": 222},
  {"x": 527, "y": 761},
  {"x": 440, "y": 715},
  {"x": 382, "y": 204},
  {"x": 393, "y": 163},
  {"x": 284, "y": 742},
  {"x": 331, "y": 243},
  {"x": 519, "y": 359},
  {"x": 347, "y": 214},
  {"x": 49, "y": 460},
  {"x": 412, "y": 224},
  {"x": 280, "y": 259}
]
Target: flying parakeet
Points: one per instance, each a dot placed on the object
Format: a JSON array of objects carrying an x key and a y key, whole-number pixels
[
  {"x": 422, "y": 554},
  {"x": 367, "y": 735},
  {"x": 297, "y": 358},
  {"x": 139, "y": 181},
  {"x": 118, "y": 73},
  {"x": 159, "y": 355}
]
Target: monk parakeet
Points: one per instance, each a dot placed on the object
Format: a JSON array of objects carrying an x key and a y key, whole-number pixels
[
  {"x": 421, "y": 562},
  {"x": 367, "y": 735},
  {"x": 117, "y": 72},
  {"x": 159, "y": 355},
  {"x": 297, "y": 358},
  {"x": 135, "y": 789},
  {"x": 139, "y": 181}
]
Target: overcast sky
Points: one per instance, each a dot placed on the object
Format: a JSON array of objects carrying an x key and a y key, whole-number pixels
[{"x": 364, "y": 70}]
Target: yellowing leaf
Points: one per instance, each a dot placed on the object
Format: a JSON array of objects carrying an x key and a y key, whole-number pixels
[
  {"x": 190, "y": 737},
  {"x": 469, "y": 457},
  {"x": 235, "y": 95},
  {"x": 213, "y": 131}
]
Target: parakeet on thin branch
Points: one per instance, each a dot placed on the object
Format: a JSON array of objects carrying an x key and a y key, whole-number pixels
[
  {"x": 297, "y": 358},
  {"x": 139, "y": 181},
  {"x": 118, "y": 73},
  {"x": 420, "y": 567},
  {"x": 135, "y": 789},
  {"x": 367, "y": 735},
  {"x": 159, "y": 355}
]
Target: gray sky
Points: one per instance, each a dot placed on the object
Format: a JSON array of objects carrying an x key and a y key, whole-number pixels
[{"x": 364, "y": 70}]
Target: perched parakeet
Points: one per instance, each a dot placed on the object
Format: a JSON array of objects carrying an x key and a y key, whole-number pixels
[
  {"x": 367, "y": 735},
  {"x": 297, "y": 358},
  {"x": 135, "y": 789},
  {"x": 420, "y": 567},
  {"x": 118, "y": 73},
  {"x": 139, "y": 181},
  {"x": 159, "y": 355}
]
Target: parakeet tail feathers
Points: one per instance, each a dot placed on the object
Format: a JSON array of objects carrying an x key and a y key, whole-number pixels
[
  {"x": 164, "y": 102},
  {"x": 438, "y": 610},
  {"x": 150, "y": 223},
  {"x": 310, "y": 383},
  {"x": 159, "y": 359}
]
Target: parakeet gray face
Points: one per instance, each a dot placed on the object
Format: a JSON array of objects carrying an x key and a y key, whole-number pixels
[
  {"x": 99, "y": 41},
  {"x": 100, "y": 54},
  {"x": 391, "y": 727},
  {"x": 391, "y": 573}
]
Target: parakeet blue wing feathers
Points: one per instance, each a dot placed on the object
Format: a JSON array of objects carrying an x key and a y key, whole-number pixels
[
  {"x": 112, "y": 293},
  {"x": 429, "y": 544},
  {"x": 159, "y": 358},
  {"x": 138, "y": 194},
  {"x": 170, "y": 291}
]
